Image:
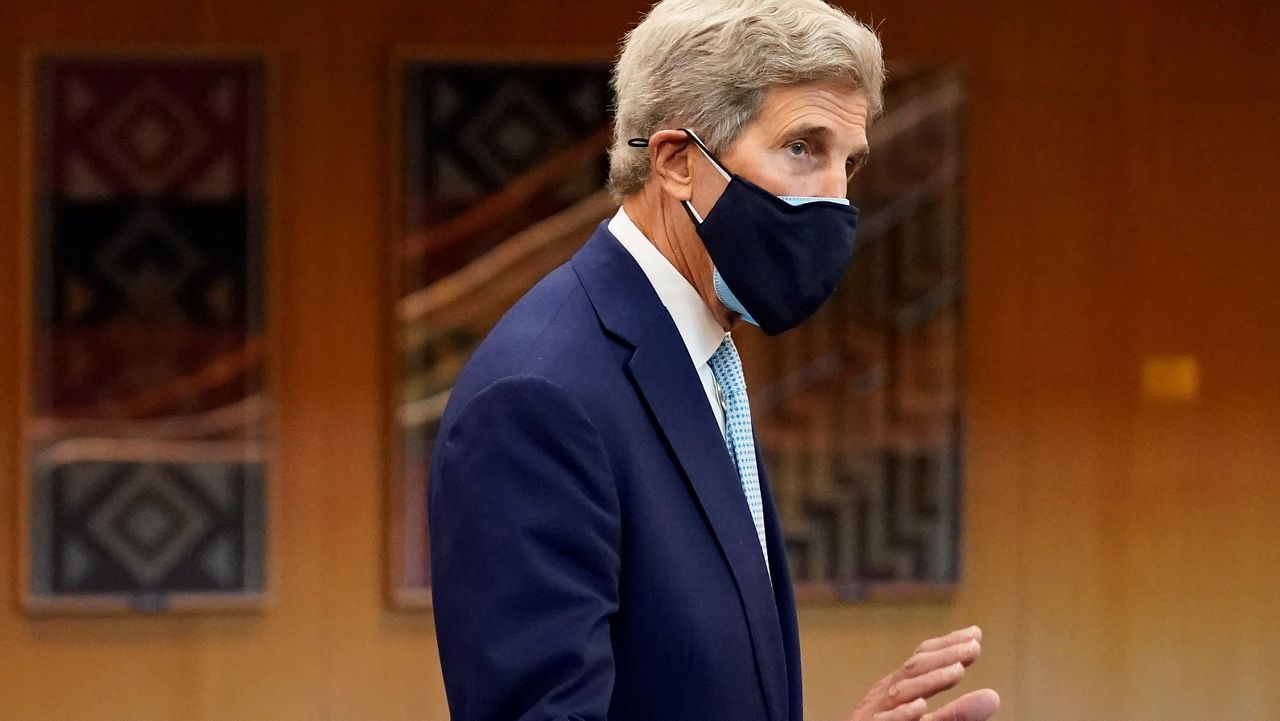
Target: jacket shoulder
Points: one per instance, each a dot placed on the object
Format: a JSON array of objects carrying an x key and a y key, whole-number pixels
[{"x": 552, "y": 332}]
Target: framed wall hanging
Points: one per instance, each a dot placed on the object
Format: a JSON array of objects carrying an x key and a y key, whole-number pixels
[{"x": 145, "y": 439}]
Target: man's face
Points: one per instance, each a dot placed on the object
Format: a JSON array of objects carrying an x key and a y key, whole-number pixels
[{"x": 808, "y": 140}]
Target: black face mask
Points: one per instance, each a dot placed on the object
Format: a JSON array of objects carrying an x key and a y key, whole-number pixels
[{"x": 777, "y": 259}]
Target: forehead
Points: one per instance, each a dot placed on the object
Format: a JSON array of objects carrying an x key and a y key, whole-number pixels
[{"x": 837, "y": 110}]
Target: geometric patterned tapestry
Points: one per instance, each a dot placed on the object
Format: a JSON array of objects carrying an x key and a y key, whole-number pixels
[
  {"x": 147, "y": 397},
  {"x": 497, "y": 161}
]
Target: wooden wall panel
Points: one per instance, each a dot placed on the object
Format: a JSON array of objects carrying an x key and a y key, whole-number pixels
[{"x": 1122, "y": 555}]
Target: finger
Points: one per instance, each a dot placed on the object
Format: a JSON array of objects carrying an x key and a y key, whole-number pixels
[
  {"x": 913, "y": 711},
  {"x": 965, "y": 653},
  {"x": 922, "y": 687},
  {"x": 964, "y": 634},
  {"x": 975, "y": 706}
]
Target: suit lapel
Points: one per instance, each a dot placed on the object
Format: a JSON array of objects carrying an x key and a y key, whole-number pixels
[
  {"x": 664, "y": 377},
  {"x": 668, "y": 382}
]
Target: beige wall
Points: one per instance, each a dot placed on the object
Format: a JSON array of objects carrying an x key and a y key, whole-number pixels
[{"x": 1123, "y": 555}]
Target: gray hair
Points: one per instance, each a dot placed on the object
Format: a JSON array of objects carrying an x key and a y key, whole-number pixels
[{"x": 706, "y": 64}]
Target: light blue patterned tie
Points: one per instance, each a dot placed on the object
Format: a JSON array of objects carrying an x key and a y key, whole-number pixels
[{"x": 726, "y": 366}]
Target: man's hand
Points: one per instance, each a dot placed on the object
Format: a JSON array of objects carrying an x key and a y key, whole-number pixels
[{"x": 937, "y": 665}]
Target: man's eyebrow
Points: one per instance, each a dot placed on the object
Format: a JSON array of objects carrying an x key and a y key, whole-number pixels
[{"x": 808, "y": 130}]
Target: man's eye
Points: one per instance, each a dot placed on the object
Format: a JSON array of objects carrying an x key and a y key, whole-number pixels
[{"x": 798, "y": 148}]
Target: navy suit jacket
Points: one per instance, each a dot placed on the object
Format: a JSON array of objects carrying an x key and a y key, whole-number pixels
[{"x": 593, "y": 556}]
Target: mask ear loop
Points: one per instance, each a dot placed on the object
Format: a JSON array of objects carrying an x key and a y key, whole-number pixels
[
  {"x": 707, "y": 152},
  {"x": 688, "y": 206}
]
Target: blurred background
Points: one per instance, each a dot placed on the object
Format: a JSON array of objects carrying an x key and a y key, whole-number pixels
[{"x": 1109, "y": 375}]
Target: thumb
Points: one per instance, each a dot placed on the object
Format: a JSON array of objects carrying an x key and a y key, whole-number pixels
[{"x": 974, "y": 706}]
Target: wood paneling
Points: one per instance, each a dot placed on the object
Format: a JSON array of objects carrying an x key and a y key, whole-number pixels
[{"x": 1123, "y": 556}]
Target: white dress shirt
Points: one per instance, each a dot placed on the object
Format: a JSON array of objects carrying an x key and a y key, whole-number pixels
[{"x": 698, "y": 328}]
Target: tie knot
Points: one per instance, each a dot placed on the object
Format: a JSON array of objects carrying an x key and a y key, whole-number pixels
[{"x": 726, "y": 366}]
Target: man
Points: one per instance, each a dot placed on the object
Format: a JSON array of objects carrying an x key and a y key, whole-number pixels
[{"x": 604, "y": 544}]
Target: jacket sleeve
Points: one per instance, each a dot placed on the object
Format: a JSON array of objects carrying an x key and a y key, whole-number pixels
[{"x": 524, "y": 524}]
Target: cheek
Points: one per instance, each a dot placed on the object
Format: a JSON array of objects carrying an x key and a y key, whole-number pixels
[{"x": 707, "y": 187}]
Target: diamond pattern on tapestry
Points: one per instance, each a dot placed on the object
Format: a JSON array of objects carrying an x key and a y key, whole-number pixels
[{"x": 147, "y": 527}]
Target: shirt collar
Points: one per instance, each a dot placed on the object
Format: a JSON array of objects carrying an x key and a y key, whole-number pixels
[{"x": 698, "y": 328}]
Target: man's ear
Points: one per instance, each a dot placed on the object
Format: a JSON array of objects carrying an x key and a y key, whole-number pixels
[{"x": 671, "y": 163}]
